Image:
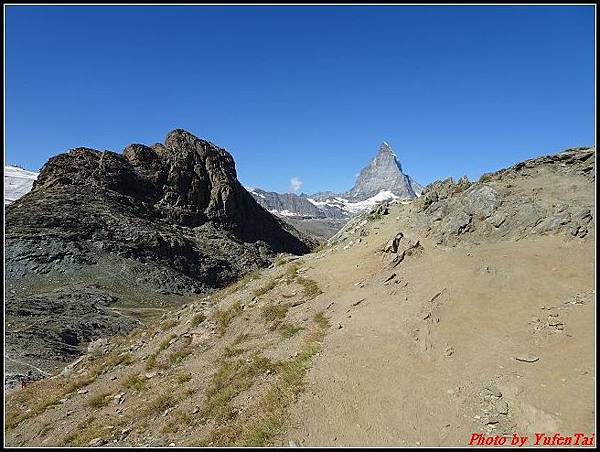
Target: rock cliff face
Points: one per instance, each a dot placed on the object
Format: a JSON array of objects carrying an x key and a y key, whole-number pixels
[{"x": 168, "y": 219}]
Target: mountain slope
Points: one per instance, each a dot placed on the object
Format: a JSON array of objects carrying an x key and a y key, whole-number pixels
[
  {"x": 142, "y": 229},
  {"x": 472, "y": 304}
]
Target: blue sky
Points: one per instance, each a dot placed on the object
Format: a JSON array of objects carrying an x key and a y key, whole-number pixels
[{"x": 305, "y": 92}]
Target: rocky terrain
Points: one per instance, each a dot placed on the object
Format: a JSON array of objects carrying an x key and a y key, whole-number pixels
[
  {"x": 323, "y": 214},
  {"x": 467, "y": 310},
  {"x": 120, "y": 237}
]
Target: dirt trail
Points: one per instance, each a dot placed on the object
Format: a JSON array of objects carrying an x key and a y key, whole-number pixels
[{"x": 400, "y": 369}]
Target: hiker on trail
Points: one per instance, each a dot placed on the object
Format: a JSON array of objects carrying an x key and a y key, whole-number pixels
[{"x": 26, "y": 379}]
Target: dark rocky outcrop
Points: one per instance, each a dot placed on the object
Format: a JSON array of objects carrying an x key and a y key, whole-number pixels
[{"x": 167, "y": 219}]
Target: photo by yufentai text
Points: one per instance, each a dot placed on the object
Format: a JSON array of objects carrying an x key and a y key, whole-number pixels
[{"x": 539, "y": 439}]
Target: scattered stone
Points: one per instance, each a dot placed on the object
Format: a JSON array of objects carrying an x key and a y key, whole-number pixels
[
  {"x": 493, "y": 390},
  {"x": 389, "y": 278},
  {"x": 356, "y": 303},
  {"x": 501, "y": 406},
  {"x": 528, "y": 358},
  {"x": 96, "y": 442}
]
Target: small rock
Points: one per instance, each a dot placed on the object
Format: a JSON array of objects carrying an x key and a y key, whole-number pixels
[
  {"x": 493, "y": 390},
  {"x": 389, "y": 278},
  {"x": 528, "y": 358},
  {"x": 96, "y": 442},
  {"x": 501, "y": 407},
  {"x": 82, "y": 391},
  {"x": 196, "y": 410}
]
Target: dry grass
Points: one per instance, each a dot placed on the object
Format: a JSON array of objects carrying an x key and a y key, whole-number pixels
[
  {"x": 261, "y": 423},
  {"x": 135, "y": 382},
  {"x": 288, "y": 330},
  {"x": 168, "y": 324},
  {"x": 321, "y": 320},
  {"x": 84, "y": 432},
  {"x": 198, "y": 319},
  {"x": 183, "y": 377},
  {"x": 310, "y": 287},
  {"x": 98, "y": 400},
  {"x": 39, "y": 395},
  {"x": 275, "y": 312},
  {"x": 270, "y": 285},
  {"x": 151, "y": 361},
  {"x": 178, "y": 356},
  {"x": 158, "y": 405},
  {"x": 232, "y": 378},
  {"x": 176, "y": 421},
  {"x": 224, "y": 317},
  {"x": 292, "y": 271},
  {"x": 166, "y": 342}
]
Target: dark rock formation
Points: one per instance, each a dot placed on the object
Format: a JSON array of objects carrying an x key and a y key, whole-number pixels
[{"x": 171, "y": 218}]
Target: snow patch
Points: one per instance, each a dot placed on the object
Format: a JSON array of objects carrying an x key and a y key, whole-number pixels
[{"x": 17, "y": 182}]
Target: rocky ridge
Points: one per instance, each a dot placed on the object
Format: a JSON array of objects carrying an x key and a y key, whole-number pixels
[{"x": 150, "y": 227}]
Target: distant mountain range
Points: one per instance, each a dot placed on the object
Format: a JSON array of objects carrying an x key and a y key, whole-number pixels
[
  {"x": 381, "y": 180},
  {"x": 320, "y": 214}
]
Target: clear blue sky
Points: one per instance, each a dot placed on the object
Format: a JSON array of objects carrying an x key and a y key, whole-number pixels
[{"x": 307, "y": 92}]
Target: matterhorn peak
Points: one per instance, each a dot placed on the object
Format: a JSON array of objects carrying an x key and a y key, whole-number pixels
[
  {"x": 383, "y": 174},
  {"x": 385, "y": 147}
]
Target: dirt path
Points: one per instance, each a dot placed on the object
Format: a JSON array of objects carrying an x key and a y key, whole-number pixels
[{"x": 410, "y": 364}]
